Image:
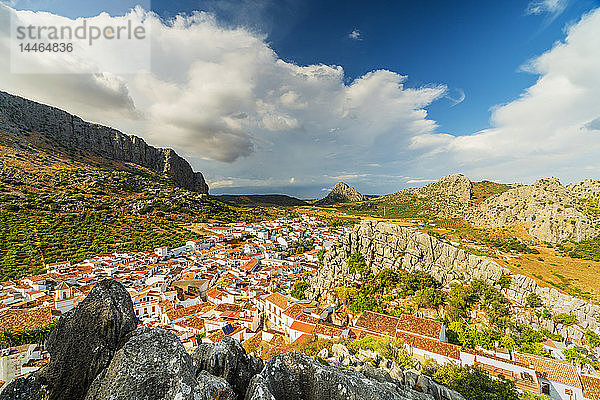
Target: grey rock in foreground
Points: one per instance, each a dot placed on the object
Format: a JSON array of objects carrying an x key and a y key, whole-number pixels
[
  {"x": 295, "y": 376},
  {"x": 81, "y": 345},
  {"x": 153, "y": 365},
  {"x": 227, "y": 359}
]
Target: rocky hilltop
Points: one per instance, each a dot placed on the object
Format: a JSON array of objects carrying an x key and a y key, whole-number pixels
[
  {"x": 550, "y": 211},
  {"x": 341, "y": 193},
  {"x": 391, "y": 246},
  {"x": 19, "y": 117},
  {"x": 96, "y": 353},
  {"x": 449, "y": 197}
]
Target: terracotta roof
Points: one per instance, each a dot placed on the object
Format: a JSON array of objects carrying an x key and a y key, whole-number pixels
[
  {"x": 328, "y": 330},
  {"x": 302, "y": 327},
  {"x": 228, "y": 307},
  {"x": 194, "y": 322},
  {"x": 309, "y": 319},
  {"x": 420, "y": 326},
  {"x": 376, "y": 322},
  {"x": 188, "y": 311},
  {"x": 19, "y": 320},
  {"x": 431, "y": 345},
  {"x": 551, "y": 369},
  {"x": 279, "y": 300},
  {"x": 295, "y": 309},
  {"x": 591, "y": 387}
]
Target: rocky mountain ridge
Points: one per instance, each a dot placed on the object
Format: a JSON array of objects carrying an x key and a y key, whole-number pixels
[
  {"x": 19, "y": 117},
  {"x": 341, "y": 193},
  {"x": 451, "y": 194},
  {"x": 391, "y": 246},
  {"x": 97, "y": 353},
  {"x": 550, "y": 211}
]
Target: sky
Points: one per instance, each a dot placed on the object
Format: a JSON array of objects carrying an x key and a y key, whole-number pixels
[{"x": 292, "y": 96}]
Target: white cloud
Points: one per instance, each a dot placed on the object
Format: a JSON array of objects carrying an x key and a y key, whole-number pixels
[
  {"x": 420, "y": 180},
  {"x": 224, "y": 99},
  {"x": 551, "y": 129},
  {"x": 554, "y": 7},
  {"x": 355, "y": 35}
]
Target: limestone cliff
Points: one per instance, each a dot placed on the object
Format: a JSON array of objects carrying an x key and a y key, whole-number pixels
[
  {"x": 548, "y": 210},
  {"x": 341, "y": 193},
  {"x": 391, "y": 246},
  {"x": 18, "y": 116}
]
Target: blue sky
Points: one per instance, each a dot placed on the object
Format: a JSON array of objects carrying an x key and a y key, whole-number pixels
[{"x": 474, "y": 52}]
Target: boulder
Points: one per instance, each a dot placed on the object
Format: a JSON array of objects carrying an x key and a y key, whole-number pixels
[
  {"x": 81, "y": 345},
  {"x": 227, "y": 359},
  {"x": 153, "y": 365},
  {"x": 295, "y": 376}
]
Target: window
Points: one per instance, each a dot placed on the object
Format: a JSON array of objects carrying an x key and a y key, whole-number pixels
[{"x": 545, "y": 388}]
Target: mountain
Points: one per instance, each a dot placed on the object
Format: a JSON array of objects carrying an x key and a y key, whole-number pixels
[
  {"x": 21, "y": 118},
  {"x": 341, "y": 193},
  {"x": 449, "y": 197},
  {"x": 549, "y": 211}
]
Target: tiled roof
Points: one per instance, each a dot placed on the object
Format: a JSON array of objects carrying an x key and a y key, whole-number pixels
[
  {"x": 431, "y": 345},
  {"x": 376, "y": 322},
  {"x": 591, "y": 387},
  {"x": 551, "y": 369},
  {"x": 194, "y": 322},
  {"x": 295, "y": 309},
  {"x": 420, "y": 326},
  {"x": 279, "y": 300},
  {"x": 19, "y": 320},
  {"x": 302, "y": 327},
  {"x": 186, "y": 311}
]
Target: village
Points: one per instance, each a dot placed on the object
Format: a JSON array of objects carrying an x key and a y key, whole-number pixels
[{"x": 242, "y": 281}]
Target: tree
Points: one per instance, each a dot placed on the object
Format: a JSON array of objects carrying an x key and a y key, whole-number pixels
[
  {"x": 321, "y": 255},
  {"x": 471, "y": 382},
  {"x": 299, "y": 289},
  {"x": 534, "y": 300},
  {"x": 430, "y": 298},
  {"x": 356, "y": 263}
]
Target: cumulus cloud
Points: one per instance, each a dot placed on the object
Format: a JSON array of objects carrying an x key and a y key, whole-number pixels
[
  {"x": 221, "y": 96},
  {"x": 550, "y": 129}
]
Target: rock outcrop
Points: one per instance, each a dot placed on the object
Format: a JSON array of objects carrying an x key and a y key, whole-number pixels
[
  {"x": 295, "y": 376},
  {"x": 19, "y": 116},
  {"x": 551, "y": 212},
  {"x": 153, "y": 365},
  {"x": 82, "y": 344},
  {"x": 227, "y": 359},
  {"x": 341, "y": 193},
  {"x": 391, "y": 246}
]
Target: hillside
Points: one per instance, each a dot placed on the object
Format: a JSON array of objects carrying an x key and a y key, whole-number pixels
[
  {"x": 34, "y": 123},
  {"x": 446, "y": 198},
  {"x": 59, "y": 202},
  {"x": 549, "y": 211}
]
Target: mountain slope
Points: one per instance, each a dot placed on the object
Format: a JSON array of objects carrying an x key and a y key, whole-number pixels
[
  {"x": 20, "y": 117},
  {"x": 548, "y": 210},
  {"x": 341, "y": 193}
]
